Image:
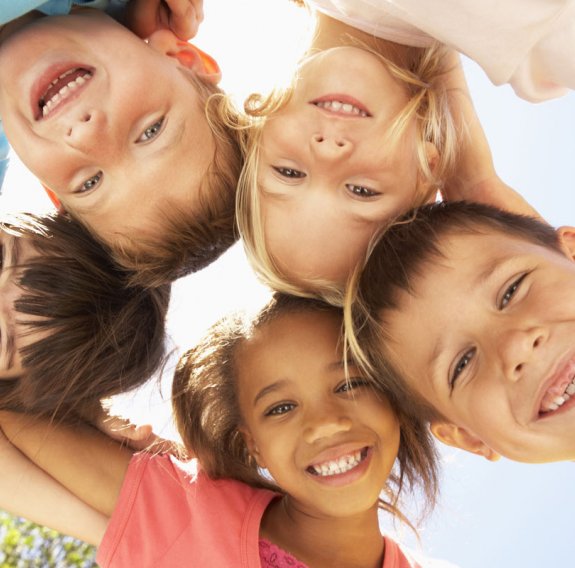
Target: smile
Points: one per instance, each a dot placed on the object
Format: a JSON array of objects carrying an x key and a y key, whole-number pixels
[
  {"x": 62, "y": 88},
  {"x": 551, "y": 403},
  {"x": 340, "y": 465},
  {"x": 342, "y": 106}
]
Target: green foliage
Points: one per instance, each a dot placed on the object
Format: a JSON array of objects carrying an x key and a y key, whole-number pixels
[{"x": 26, "y": 545}]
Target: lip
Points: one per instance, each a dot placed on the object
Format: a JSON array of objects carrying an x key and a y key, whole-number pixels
[
  {"x": 42, "y": 83},
  {"x": 345, "y": 99},
  {"x": 559, "y": 373},
  {"x": 347, "y": 477}
]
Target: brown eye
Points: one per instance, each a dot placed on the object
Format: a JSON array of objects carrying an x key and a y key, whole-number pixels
[{"x": 290, "y": 173}]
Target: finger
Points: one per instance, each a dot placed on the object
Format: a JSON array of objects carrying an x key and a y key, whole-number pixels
[{"x": 183, "y": 18}]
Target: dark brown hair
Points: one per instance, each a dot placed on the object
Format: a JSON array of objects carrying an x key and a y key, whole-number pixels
[
  {"x": 208, "y": 418},
  {"x": 98, "y": 337},
  {"x": 194, "y": 237},
  {"x": 399, "y": 257}
]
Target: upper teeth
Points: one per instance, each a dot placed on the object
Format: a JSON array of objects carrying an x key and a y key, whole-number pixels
[
  {"x": 560, "y": 400},
  {"x": 64, "y": 92},
  {"x": 344, "y": 108},
  {"x": 340, "y": 465}
]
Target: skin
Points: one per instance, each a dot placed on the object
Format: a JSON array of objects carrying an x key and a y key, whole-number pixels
[
  {"x": 491, "y": 354},
  {"x": 112, "y": 163},
  {"x": 330, "y": 177},
  {"x": 298, "y": 411},
  {"x": 312, "y": 416},
  {"x": 13, "y": 336}
]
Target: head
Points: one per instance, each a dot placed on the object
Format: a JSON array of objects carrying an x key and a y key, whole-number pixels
[
  {"x": 354, "y": 141},
  {"x": 272, "y": 393},
  {"x": 119, "y": 155},
  {"x": 72, "y": 331},
  {"x": 469, "y": 312}
]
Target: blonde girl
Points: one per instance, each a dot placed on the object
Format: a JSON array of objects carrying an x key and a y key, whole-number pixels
[
  {"x": 272, "y": 394},
  {"x": 368, "y": 129}
]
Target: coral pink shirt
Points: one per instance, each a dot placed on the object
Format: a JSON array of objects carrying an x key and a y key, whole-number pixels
[{"x": 170, "y": 514}]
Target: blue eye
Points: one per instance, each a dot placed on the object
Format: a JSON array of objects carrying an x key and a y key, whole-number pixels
[
  {"x": 510, "y": 292},
  {"x": 360, "y": 190},
  {"x": 90, "y": 184},
  {"x": 460, "y": 366},
  {"x": 151, "y": 131},
  {"x": 290, "y": 173},
  {"x": 280, "y": 409}
]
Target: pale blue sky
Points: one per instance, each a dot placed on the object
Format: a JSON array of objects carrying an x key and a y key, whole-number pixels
[{"x": 492, "y": 514}]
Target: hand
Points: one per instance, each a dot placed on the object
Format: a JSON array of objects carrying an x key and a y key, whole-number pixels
[
  {"x": 136, "y": 437},
  {"x": 183, "y": 17}
]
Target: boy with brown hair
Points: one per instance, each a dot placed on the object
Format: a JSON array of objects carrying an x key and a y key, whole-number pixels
[
  {"x": 470, "y": 312},
  {"x": 126, "y": 134}
]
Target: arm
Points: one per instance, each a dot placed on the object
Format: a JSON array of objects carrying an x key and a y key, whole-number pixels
[
  {"x": 475, "y": 178},
  {"x": 28, "y": 491},
  {"x": 87, "y": 463},
  {"x": 183, "y": 17}
]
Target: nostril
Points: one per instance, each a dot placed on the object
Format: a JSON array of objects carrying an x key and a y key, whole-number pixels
[
  {"x": 537, "y": 342},
  {"x": 519, "y": 367},
  {"x": 340, "y": 144},
  {"x": 318, "y": 138},
  {"x": 87, "y": 117}
]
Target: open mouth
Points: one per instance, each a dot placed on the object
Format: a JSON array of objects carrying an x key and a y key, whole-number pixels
[
  {"x": 340, "y": 465},
  {"x": 61, "y": 89},
  {"x": 342, "y": 106},
  {"x": 553, "y": 402}
]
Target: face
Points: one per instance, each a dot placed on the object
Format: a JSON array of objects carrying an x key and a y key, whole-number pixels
[
  {"x": 327, "y": 174},
  {"x": 108, "y": 122},
  {"x": 329, "y": 444},
  {"x": 487, "y": 339},
  {"x": 14, "y": 251}
]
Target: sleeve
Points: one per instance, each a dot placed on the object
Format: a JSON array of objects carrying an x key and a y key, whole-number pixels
[
  {"x": 4, "y": 151},
  {"x": 527, "y": 43}
]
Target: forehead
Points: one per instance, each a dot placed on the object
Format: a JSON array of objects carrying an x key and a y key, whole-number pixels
[{"x": 289, "y": 342}]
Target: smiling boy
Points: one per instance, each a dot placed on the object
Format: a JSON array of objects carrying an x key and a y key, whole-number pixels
[
  {"x": 118, "y": 129},
  {"x": 470, "y": 311}
]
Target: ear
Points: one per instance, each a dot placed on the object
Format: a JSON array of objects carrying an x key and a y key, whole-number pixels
[
  {"x": 252, "y": 447},
  {"x": 432, "y": 155},
  {"x": 459, "y": 437},
  {"x": 567, "y": 241},
  {"x": 186, "y": 54},
  {"x": 426, "y": 189}
]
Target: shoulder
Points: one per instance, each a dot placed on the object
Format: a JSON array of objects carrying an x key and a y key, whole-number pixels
[{"x": 397, "y": 556}]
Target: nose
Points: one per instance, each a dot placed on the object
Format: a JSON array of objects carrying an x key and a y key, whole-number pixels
[
  {"x": 329, "y": 146},
  {"x": 518, "y": 348},
  {"x": 325, "y": 422},
  {"x": 86, "y": 131}
]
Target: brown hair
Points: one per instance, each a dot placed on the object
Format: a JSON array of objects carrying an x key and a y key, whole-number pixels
[
  {"x": 98, "y": 337},
  {"x": 428, "y": 106},
  {"x": 193, "y": 238},
  {"x": 207, "y": 414},
  {"x": 398, "y": 257}
]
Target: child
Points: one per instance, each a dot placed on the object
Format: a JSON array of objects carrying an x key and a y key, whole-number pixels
[
  {"x": 526, "y": 46},
  {"x": 72, "y": 332},
  {"x": 273, "y": 395},
  {"x": 468, "y": 312},
  {"x": 368, "y": 130},
  {"x": 155, "y": 180}
]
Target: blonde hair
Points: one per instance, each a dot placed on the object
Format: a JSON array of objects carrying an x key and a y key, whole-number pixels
[{"x": 427, "y": 105}]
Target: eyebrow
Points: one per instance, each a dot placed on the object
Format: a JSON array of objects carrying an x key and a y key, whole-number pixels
[
  {"x": 270, "y": 389},
  {"x": 435, "y": 359},
  {"x": 491, "y": 268}
]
